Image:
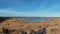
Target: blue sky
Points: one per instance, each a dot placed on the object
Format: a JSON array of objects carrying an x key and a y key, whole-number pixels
[{"x": 28, "y": 8}]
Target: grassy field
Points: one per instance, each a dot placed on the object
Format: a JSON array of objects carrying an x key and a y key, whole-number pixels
[{"x": 18, "y": 26}]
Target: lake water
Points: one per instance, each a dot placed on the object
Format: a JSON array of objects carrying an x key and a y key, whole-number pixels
[{"x": 36, "y": 19}]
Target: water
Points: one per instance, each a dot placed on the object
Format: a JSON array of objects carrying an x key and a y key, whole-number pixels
[{"x": 35, "y": 19}]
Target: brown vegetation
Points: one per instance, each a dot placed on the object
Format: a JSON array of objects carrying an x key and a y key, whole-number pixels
[{"x": 17, "y": 26}]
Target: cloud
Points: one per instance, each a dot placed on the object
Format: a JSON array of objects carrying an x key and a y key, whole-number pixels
[
  {"x": 8, "y": 12},
  {"x": 55, "y": 14},
  {"x": 4, "y": 12}
]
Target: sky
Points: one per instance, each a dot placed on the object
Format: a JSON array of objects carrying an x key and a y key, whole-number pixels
[{"x": 30, "y": 8}]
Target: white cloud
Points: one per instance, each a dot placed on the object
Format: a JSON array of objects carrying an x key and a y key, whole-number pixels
[
  {"x": 8, "y": 12},
  {"x": 55, "y": 14},
  {"x": 5, "y": 12}
]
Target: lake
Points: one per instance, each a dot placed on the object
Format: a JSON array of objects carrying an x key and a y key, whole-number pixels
[{"x": 37, "y": 19}]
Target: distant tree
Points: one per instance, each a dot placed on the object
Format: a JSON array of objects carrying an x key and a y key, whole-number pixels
[{"x": 3, "y": 19}]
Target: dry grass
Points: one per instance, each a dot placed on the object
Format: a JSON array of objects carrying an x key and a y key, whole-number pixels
[{"x": 52, "y": 27}]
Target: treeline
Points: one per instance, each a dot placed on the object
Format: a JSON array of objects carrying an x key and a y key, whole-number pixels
[{"x": 4, "y": 18}]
